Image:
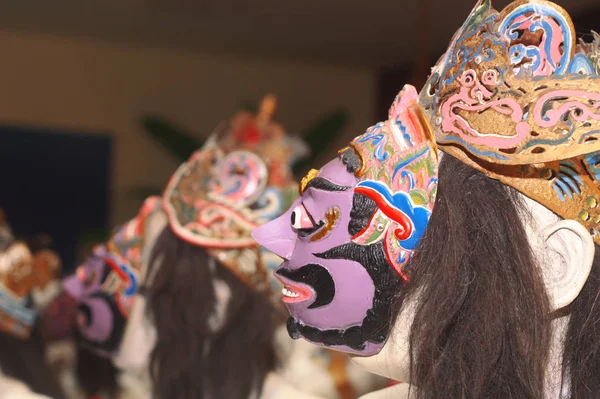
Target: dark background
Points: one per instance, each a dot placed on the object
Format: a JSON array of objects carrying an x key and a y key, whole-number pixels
[{"x": 55, "y": 183}]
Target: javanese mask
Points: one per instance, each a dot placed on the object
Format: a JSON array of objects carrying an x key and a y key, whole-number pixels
[
  {"x": 104, "y": 287},
  {"x": 348, "y": 239}
]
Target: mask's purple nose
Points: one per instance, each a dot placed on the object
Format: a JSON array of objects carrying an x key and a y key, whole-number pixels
[{"x": 277, "y": 236}]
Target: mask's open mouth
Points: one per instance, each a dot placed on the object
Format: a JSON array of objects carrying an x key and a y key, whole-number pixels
[
  {"x": 294, "y": 293},
  {"x": 308, "y": 282}
]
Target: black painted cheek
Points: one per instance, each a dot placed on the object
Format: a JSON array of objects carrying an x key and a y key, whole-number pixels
[
  {"x": 352, "y": 337},
  {"x": 292, "y": 328},
  {"x": 118, "y": 321},
  {"x": 375, "y": 326}
]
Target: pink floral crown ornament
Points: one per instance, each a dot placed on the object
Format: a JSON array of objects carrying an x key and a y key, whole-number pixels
[{"x": 399, "y": 173}]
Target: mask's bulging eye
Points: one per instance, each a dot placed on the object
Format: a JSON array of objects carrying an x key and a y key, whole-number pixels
[{"x": 300, "y": 219}]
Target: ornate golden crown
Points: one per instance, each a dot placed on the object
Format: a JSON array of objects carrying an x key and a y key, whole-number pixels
[
  {"x": 239, "y": 180},
  {"x": 518, "y": 98}
]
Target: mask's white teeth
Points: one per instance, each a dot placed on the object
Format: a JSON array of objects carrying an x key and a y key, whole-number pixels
[{"x": 289, "y": 293}]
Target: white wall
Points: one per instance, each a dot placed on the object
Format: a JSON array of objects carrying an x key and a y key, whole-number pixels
[{"x": 64, "y": 83}]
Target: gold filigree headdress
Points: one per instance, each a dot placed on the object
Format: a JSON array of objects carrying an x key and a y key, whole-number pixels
[
  {"x": 239, "y": 180},
  {"x": 516, "y": 97}
]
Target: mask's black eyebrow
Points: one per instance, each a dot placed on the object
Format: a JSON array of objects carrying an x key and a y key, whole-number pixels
[{"x": 320, "y": 183}]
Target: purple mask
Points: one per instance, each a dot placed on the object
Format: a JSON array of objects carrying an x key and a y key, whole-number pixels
[
  {"x": 347, "y": 240},
  {"x": 104, "y": 287},
  {"x": 99, "y": 324}
]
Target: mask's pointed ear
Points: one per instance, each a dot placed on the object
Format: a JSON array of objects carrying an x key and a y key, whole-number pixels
[
  {"x": 410, "y": 125},
  {"x": 541, "y": 36},
  {"x": 571, "y": 252}
]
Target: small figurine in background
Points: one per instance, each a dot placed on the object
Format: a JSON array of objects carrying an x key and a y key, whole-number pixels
[{"x": 28, "y": 282}]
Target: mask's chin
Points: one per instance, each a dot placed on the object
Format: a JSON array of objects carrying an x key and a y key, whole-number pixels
[{"x": 297, "y": 330}]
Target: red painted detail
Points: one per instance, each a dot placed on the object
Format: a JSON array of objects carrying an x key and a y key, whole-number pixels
[
  {"x": 405, "y": 227},
  {"x": 111, "y": 263},
  {"x": 399, "y": 233},
  {"x": 250, "y": 135}
]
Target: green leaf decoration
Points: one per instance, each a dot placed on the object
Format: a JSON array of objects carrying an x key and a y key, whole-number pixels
[
  {"x": 319, "y": 136},
  {"x": 178, "y": 143},
  {"x": 93, "y": 236}
]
